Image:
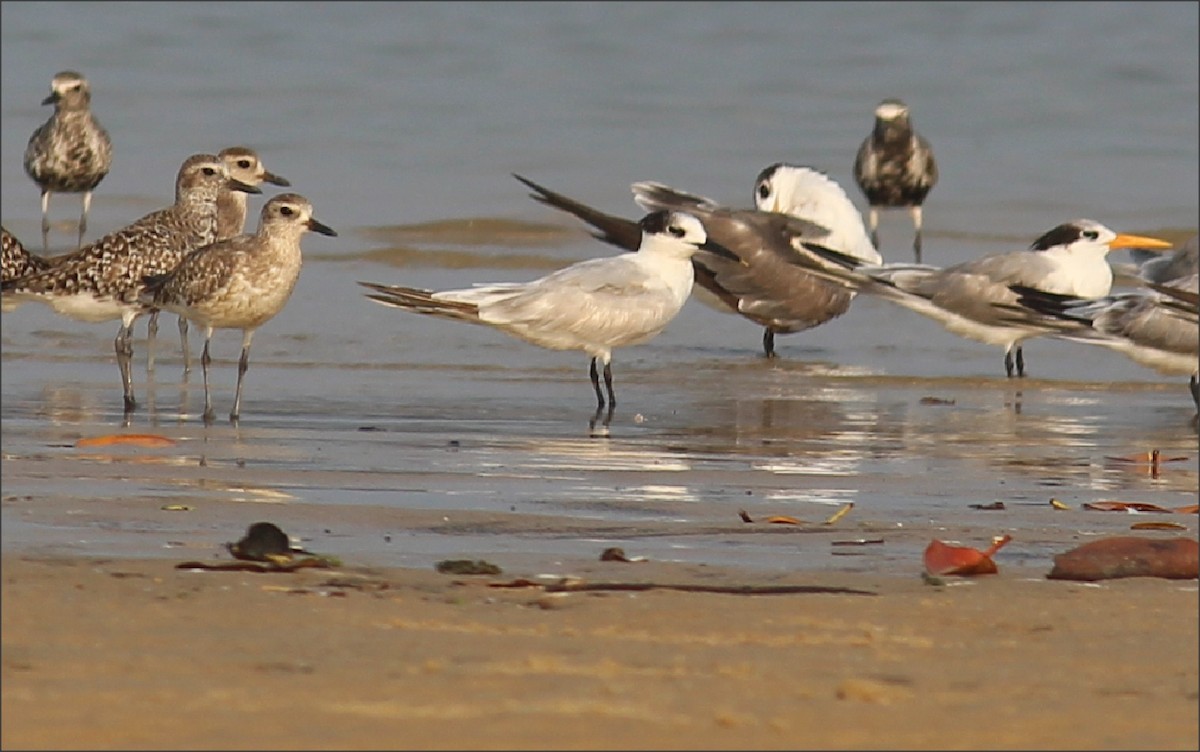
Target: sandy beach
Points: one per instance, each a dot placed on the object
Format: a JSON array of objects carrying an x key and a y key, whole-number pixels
[{"x": 137, "y": 654}]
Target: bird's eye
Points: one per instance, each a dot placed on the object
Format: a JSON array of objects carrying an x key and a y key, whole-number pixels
[
  {"x": 244, "y": 164},
  {"x": 677, "y": 231},
  {"x": 1091, "y": 234},
  {"x": 763, "y": 191},
  {"x": 209, "y": 171},
  {"x": 286, "y": 211}
]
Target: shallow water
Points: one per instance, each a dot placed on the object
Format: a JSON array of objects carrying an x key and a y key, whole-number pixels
[{"x": 402, "y": 124}]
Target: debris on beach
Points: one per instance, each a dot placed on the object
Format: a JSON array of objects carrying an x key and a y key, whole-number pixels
[
  {"x": 153, "y": 440},
  {"x": 1124, "y": 506},
  {"x": 614, "y": 553},
  {"x": 1129, "y": 556},
  {"x": 995, "y": 506},
  {"x": 784, "y": 519},
  {"x": 264, "y": 548},
  {"x": 942, "y": 558},
  {"x": 466, "y": 566}
]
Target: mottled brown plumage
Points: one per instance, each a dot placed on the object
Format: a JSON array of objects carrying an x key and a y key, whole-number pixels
[
  {"x": 239, "y": 283},
  {"x": 101, "y": 281},
  {"x": 71, "y": 152},
  {"x": 895, "y": 168}
]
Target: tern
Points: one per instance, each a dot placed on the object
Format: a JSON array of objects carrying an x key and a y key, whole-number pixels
[
  {"x": 973, "y": 299},
  {"x": 759, "y": 281},
  {"x": 594, "y": 305}
]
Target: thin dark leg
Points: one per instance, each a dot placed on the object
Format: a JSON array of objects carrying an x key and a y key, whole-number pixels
[
  {"x": 1194, "y": 388},
  {"x": 769, "y": 342},
  {"x": 1020, "y": 363},
  {"x": 151, "y": 335},
  {"x": 123, "y": 345},
  {"x": 612, "y": 399},
  {"x": 183, "y": 344},
  {"x": 243, "y": 366},
  {"x": 1008, "y": 363},
  {"x": 596, "y": 385},
  {"x": 205, "y": 359}
]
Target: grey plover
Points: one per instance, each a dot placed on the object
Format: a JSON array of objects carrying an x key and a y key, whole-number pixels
[
  {"x": 895, "y": 168},
  {"x": 246, "y": 167},
  {"x": 973, "y": 299},
  {"x": 18, "y": 260},
  {"x": 758, "y": 281},
  {"x": 101, "y": 281},
  {"x": 238, "y": 283},
  {"x": 70, "y": 152},
  {"x": 593, "y": 305}
]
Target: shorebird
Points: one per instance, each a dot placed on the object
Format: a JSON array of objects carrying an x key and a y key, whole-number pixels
[
  {"x": 246, "y": 167},
  {"x": 895, "y": 168},
  {"x": 594, "y": 305},
  {"x": 18, "y": 261},
  {"x": 101, "y": 281},
  {"x": 70, "y": 152},
  {"x": 238, "y": 283},
  {"x": 757, "y": 281},
  {"x": 1157, "y": 325},
  {"x": 972, "y": 299}
]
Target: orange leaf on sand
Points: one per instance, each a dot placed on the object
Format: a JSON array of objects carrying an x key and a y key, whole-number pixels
[
  {"x": 134, "y": 439},
  {"x": 941, "y": 558}
]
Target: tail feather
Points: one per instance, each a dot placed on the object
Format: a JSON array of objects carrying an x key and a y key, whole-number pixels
[{"x": 421, "y": 301}]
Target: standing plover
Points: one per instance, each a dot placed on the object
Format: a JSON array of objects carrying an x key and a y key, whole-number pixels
[{"x": 70, "y": 152}]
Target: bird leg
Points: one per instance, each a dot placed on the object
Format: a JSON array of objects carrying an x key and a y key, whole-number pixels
[
  {"x": 612, "y": 400},
  {"x": 1020, "y": 363},
  {"x": 151, "y": 335},
  {"x": 205, "y": 359},
  {"x": 915, "y": 211},
  {"x": 873, "y": 223},
  {"x": 769, "y": 342},
  {"x": 123, "y": 345},
  {"x": 87, "y": 204},
  {"x": 243, "y": 366},
  {"x": 1194, "y": 387},
  {"x": 1008, "y": 362},
  {"x": 46, "y": 221},
  {"x": 596, "y": 385},
  {"x": 183, "y": 344}
]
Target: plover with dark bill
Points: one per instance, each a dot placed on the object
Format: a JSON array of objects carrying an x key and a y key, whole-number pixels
[
  {"x": 756, "y": 281},
  {"x": 594, "y": 305},
  {"x": 239, "y": 283},
  {"x": 101, "y": 281},
  {"x": 973, "y": 299},
  {"x": 895, "y": 168},
  {"x": 246, "y": 167},
  {"x": 71, "y": 152}
]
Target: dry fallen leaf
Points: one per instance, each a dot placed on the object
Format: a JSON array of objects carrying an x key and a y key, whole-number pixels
[
  {"x": 784, "y": 520},
  {"x": 1157, "y": 526},
  {"x": 941, "y": 558},
  {"x": 1124, "y": 506},
  {"x": 840, "y": 513},
  {"x": 133, "y": 439}
]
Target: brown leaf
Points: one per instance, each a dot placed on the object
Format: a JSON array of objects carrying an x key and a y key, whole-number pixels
[
  {"x": 1157, "y": 526},
  {"x": 1129, "y": 556},
  {"x": 1124, "y": 506},
  {"x": 133, "y": 439},
  {"x": 941, "y": 558}
]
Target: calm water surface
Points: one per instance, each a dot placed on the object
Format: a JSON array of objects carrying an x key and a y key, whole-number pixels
[{"x": 402, "y": 124}]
